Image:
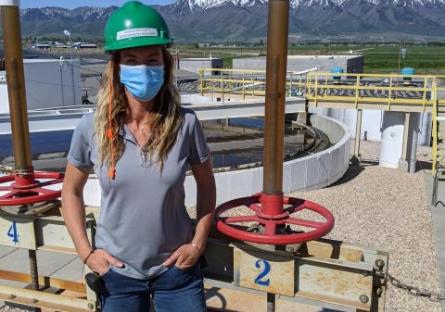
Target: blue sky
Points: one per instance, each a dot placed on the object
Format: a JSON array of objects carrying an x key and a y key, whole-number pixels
[{"x": 70, "y": 4}]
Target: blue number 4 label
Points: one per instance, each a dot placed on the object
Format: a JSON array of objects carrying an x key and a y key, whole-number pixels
[
  {"x": 262, "y": 279},
  {"x": 12, "y": 232}
]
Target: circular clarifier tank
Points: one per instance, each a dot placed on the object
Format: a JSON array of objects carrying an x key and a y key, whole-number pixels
[{"x": 239, "y": 143}]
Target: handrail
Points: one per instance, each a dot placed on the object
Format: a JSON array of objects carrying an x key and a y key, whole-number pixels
[
  {"x": 435, "y": 131},
  {"x": 316, "y": 86}
]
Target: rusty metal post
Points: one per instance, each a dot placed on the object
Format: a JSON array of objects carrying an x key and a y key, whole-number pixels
[
  {"x": 15, "y": 78},
  {"x": 277, "y": 38},
  {"x": 32, "y": 256},
  {"x": 16, "y": 87},
  {"x": 270, "y": 306}
]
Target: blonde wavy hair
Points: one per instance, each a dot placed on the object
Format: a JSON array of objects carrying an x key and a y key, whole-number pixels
[{"x": 163, "y": 123}]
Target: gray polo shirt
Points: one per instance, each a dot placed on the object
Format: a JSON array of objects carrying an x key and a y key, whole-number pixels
[{"x": 142, "y": 215}]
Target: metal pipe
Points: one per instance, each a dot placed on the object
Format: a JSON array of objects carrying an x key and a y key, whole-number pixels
[
  {"x": 32, "y": 256},
  {"x": 414, "y": 133},
  {"x": 358, "y": 134},
  {"x": 270, "y": 302},
  {"x": 277, "y": 39},
  {"x": 16, "y": 87}
]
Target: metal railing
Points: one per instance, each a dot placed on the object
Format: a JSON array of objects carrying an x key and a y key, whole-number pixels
[
  {"x": 411, "y": 92},
  {"x": 244, "y": 83},
  {"x": 438, "y": 115},
  {"x": 389, "y": 89},
  {"x": 435, "y": 131}
]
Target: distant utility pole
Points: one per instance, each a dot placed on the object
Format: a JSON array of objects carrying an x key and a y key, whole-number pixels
[{"x": 400, "y": 53}]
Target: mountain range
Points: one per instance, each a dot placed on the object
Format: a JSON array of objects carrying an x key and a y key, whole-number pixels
[{"x": 246, "y": 20}]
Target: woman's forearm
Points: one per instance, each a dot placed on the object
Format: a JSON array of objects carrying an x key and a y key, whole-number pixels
[
  {"x": 206, "y": 199},
  {"x": 74, "y": 216}
]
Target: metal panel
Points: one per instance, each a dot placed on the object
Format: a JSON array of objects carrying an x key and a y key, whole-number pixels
[
  {"x": 51, "y": 231},
  {"x": 318, "y": 281},
  {"x": 264, "y": 272},
  {"x": 17, "y": 232},
  {"x": 324, "y": 273}
]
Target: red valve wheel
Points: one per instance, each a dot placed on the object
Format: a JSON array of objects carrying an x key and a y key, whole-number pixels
[
  {"x": 231, "y": 225},
  {"x": 26, "y": 190}
]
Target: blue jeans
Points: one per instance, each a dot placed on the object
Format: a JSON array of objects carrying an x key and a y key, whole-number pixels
[{"x": 173, "y": 290}]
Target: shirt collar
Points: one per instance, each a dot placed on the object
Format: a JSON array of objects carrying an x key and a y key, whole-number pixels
[{"x": 126, "y": 134}]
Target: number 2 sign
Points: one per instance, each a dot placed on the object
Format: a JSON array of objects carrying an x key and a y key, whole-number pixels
[
  {"x": 263, "y": 272},
  {"x": 262, "y": 278}
]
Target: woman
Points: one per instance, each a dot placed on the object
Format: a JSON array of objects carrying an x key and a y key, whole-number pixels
[{"x": 140, "y": 143}]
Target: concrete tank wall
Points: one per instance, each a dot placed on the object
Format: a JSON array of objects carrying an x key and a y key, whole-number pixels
[
  {"x": 310, "y": 172},
  {"x": 372, "y": 122}
]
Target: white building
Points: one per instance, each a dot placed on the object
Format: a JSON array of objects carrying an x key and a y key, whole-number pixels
[
  {"x": 49, "y": 83},
  {"x": 324, "y": 63}
]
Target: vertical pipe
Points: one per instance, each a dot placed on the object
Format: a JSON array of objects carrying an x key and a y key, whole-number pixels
[
  {"x": 17, "y": 104},
  {"x": 406, "y": 130},
  {"x": 277, "y": 38},
  {"x": 270, "y": 302},
  {"x": 358, "y": 134},
  {"x": 16, "y": 87},
  {"x": 62, "y": 87},
  {"x": 435, "y": 131},
  {"x": 414, "y": 137}
]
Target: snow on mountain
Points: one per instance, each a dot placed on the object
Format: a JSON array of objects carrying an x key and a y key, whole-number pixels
[
  {"x": 206, "y": 4},
  {"x": 245, "y": 19}
]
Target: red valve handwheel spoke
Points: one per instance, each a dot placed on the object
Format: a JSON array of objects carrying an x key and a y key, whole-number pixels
[
  {"x": 255, "y": 207},
  {"x": 7, "y": 178},
  {"x": 271, "y": 227},
  {"x": 50, "y": 182},
  {"x": 35, "y": 192},
  {"x": 9, "y": 195},
  {"x": 45, "y": 191},
  {"x": 296, "y": 207},
  {"x": 239, "y": 219},
  {"x": 306, "y": 223}
]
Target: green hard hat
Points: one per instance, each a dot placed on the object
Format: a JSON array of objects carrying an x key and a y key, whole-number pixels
[{"x": 135, "y": 25}]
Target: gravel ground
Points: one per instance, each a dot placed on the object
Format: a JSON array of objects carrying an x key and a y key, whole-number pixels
[{"x": 387, "y": 209}]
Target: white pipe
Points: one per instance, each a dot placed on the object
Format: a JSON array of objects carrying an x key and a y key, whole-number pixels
[
  {"x": 10, "y": 3},
  {"x": 305, "y": 71}
]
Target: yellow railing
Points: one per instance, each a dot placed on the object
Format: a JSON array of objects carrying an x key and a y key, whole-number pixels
[
  {"x": 370, "y": 88},
  {"x": 327, "y": 87},
  {"x": 435, "y": 131},
  {"x": 426, "y": 91},
  {"x": 243, "y": 82},
  {"x": 438, "y": 108}
]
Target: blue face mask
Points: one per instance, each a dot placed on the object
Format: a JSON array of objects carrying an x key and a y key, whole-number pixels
[{"x": 143, "y": 82}]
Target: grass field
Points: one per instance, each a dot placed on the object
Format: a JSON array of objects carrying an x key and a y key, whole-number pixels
[{"x": 378, "y": 59}]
